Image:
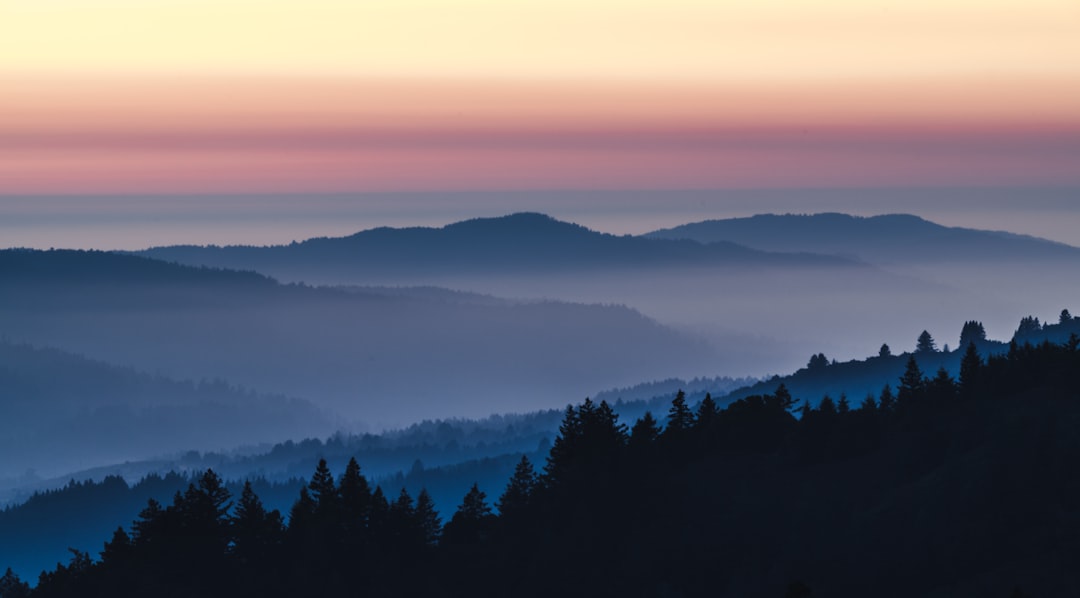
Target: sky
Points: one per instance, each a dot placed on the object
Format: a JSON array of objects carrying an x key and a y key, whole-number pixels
[{"x": 208, "y": 98}]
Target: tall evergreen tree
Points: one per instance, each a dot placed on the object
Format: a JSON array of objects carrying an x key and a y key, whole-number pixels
[
  {"x": 912, "y": 383},
  {"x": 708, "y": 412},
  {"x": 942, "y": 387},
  {"x": 886, "y": 400},
  {"x": 519, "y": 490},
  {"x": 13, "y": 587},
  {"x": 842, "y": 405},
  {"x": 472, "y": 520},
  {"x": 680, "y": 418},
  {"x": 644, "y": 432},
  {"x": 354, "y": 496},
  {"x": 925, "y": 343},
  {"x": 323, "y": 491},
  {"x": 970, "y": 365},
  {"x": 427, "y": 518}
]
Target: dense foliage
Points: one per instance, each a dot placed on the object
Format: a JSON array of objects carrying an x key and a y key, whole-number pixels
[{"x": 943, "y": 487}]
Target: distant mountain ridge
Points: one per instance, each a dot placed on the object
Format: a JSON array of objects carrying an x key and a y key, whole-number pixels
[
  {"x": 877, "y": 239},
  {"x": 517, "y": 243},
  {"x": 351, "y": 350}
]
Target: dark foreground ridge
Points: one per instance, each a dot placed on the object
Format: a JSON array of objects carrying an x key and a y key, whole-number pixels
[{"x": 943, "y": 488}]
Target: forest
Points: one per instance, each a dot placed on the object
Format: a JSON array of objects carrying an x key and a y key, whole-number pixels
[{"x": 940, "y": 486}]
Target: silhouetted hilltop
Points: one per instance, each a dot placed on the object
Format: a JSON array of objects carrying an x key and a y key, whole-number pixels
[
  {"x": 518, "y": 243},
  {"x": 879, "y": 239}
]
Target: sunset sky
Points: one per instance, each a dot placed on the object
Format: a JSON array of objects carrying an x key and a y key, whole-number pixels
[{"x": 288, "y": 96}]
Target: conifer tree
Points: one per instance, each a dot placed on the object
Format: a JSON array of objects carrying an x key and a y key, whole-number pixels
[
  {"x": 942, "y": 387},
  {"x": 783, "y": 396},
  {"x": 912, "y": 383},
  {"x": 925, "y": 343},
  {"x": 827, "y": 406},
  {"x": 471, "y": 521},
  {"x": 886, "y": 400},
  {"x": 842, "y": 405},
  {"x": 645, "y": 431},
  {"x": 13, "y": 587},
  {"x": 354, "y": 496},
  {"x": 515, "y": 499},
  {"x": 707, "y": 413},
  {"x": 680, "y": 418},
  {"x": 868, "y": 404},
  {"x": 970, "y": 365},
  {"x": 427, "y": 518},
  {"x": 323, "y": 491}
]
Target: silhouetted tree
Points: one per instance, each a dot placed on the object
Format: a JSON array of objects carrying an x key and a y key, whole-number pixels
[
  {"x": 972, "y": 332},
  {"x": 323, "y": 491},
  {"x": 707, "y": 413},
  {"x": 1029, "y": 326},
  {"x": 817, "y": 362},
  {"x": 886, "y": 400},
  {"x": 842, "y": 405},
  {"x": 868, "y": 404},
  {"x": 925, "y": 343},
  {"x": 13, "y": 587},
  {"x": 354, "y": 495},
  {"x": 644, "y": 432},
  {"x": 515, "y": 499},
  {"x": 564, "y": 448},
  {"x": 783, "y": 396},
  {"x": 427, "y": 518},
  {"x": 970, "y": 365},
  {"x": 471, "y": 522},
  {"x": 942, "y": 387},
  {"x": 884, "y": 351},
  {"x": 912, "y": 383},
  {"x": 255, "y": 531},
  {"x": 1065, "y": 317},
  {"x": 826, "y": 406},
  {"x": 680, "y": 418}
]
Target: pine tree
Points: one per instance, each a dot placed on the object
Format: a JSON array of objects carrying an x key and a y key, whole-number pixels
[
  {"x": 886, "y": 400},
  {"x": 842, "y": 405},
  {"x": 427, "y": 518},
  {"x": 472, "y": 520},
  {"x": 884, "y": 351},
  {"x": 912, "y": 383},
  {"x": 707, "y": 413},
  {"x": 970, "y": 366},
  {"x": 868, "y": 404},
  {"x": 515, "y": 499},
  {"x": 323, "y": 491},
  {"x": 565, "y": 448},
  {"x": 784, "y": 398},
  {"x": 925, "y": 343},
  {"x": 1065, "y": 317},
  {"x": 827, "y": 406},
  {"x": 680, "y": 418},
  {"x": 354, "y": 496},
  {"x": 942, "y": 387},
  {"x": 644, "y": 432},
  {"x": 255, "y": 530},
  {"x": 13, "y": 587},
  {"x": 972, "y": 332}
]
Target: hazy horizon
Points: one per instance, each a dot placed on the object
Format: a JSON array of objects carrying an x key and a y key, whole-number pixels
[{"x": 139, "y": 221}]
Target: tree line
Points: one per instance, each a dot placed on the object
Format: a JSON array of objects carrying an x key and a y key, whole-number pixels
[{"x": 758, "y": 498}]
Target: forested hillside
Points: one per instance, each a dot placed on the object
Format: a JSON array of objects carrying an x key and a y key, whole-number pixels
[{"x": 948, "y": 487}]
